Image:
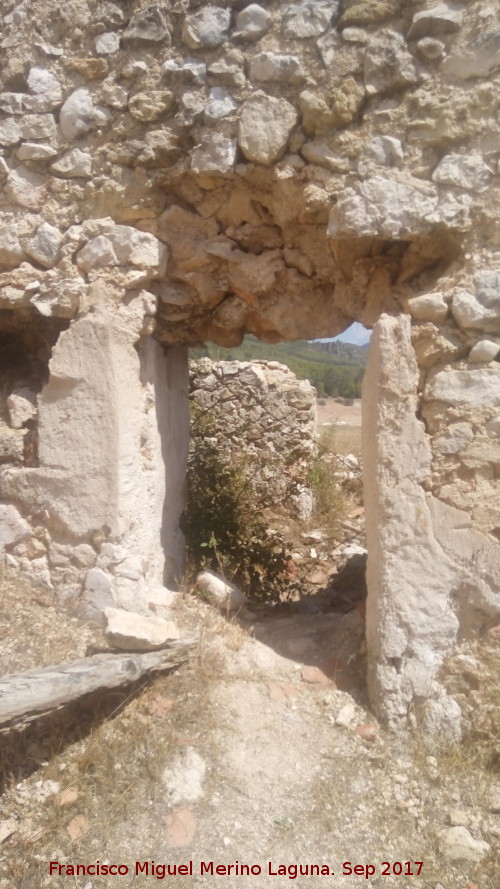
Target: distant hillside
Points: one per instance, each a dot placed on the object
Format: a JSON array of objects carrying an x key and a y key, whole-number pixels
[{"x": 333, "y": 371}]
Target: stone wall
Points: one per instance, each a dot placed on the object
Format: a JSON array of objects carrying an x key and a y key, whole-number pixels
[
  {"x": 263, "y": 417},
  {"x": 175, "y": 173}
]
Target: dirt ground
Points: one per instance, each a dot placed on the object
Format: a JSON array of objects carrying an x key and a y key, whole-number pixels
[{"x": 333, "y": 412}]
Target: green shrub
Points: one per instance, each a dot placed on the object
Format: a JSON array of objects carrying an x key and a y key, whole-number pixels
[{"x": 222, "y": 525}]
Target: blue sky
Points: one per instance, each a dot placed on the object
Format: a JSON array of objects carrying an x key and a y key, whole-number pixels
[{"x": 356, "y": 334}]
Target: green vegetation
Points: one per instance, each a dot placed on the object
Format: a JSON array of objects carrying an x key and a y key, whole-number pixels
[
  {"x": 221, "y": 524},
  {"x": 332, "y": 371}
]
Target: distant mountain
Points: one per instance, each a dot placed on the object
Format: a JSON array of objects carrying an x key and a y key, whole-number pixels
[{"x": 333, "y": 368}]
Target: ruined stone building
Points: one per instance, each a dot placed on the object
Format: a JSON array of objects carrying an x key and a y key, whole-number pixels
[{"x": 180, "y": 172}]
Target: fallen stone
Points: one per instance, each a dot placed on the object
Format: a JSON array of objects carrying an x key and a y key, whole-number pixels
[
  {"x": 22, "y": 406},
  {"x": 221, "y": 592},
  {"x": 441, "y": 19},
  {"x": 458, "y": 844},
  {"x": 26, "y": 188},
  {"x": 308, "y": 18},
  {"x": 484, "y": 351},
  {"x": 107, "y": 43},
  {"x": 74, "y": 164},
  {"x": 13, "y": 528},
  {"x": 215, "y": 154},
  {"x": 125, "y": 629},
  {"x": 268, "y": 67},
  {"x": 207, "y": 28},
  {"x": 264, "y": 128},
  {"x": 148, "y": 26},
  {"x": 430, "y": 307},
  {"x": 183, "y": 778},
  {"x": 252, "y": 23},
  {"x": 464, "y": 171}
]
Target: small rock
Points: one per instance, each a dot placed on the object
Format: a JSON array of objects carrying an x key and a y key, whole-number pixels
[
  {"x": 191, "y": 70},
  {"x": 78, "y": 827},
  {"x": 26, "y": 188},
  {"x": 68, "y": 796},
  {"x": 220, "y": 104},
  {"x": 458, "y": 844},
  {"x": 484, "y": 351},
  {"x": 207, "y": 28},
  {"x": 279, "y": 67},
  {"x": 74, "y": 164},
  {"x": 441, "y": 19},
  {"x": 77, "y": 114},
  {"x": 308, "y": 18},
  {"x": 29, "y": 151},
  {"x": 368, "y": 731},
  {"x": 264, "y": 128},
  {"x": 221, "y": 592},
  {"x": 458, "y": 818},
  {"x": 252, "y": 23},
  {"x": 125, "y": 629},
  {"x": 464, "y": 171},
  {"x": 431, "y": 49},
  {"x": 314, "y": 676},
  {"x": 215, "y": 153},
  {"x": 22, "y": 407},
  {"x": 346, "y": 715},
  {"x": 180, "y": 828},
  {"x": 107, "y": 43},
  {"x": 148, "y": 26}
]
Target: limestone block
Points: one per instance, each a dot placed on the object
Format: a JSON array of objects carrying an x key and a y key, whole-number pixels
[
  {"x": 268, "y": 67},
  {"x": 479, "y": 58},
  {"x": 46, "y": 89},
  {"x": 388, "y": 64},
  {"x": 11, "y": 252},
  {"x": 480, "y": 388},
  {"x": 455, "y": 439},
  {"x": 471, "y": 313},
  {"x": 207, "y": 28},
  {"x": 382, "y": 207},
  {"x": 252, "y": 23},
  {"x": 386, "y": 151},
  {"x": 430, "y": 307},
  {"x": 151, "y": 105},
  {"x": 97, "y": 595},
  {"x": 123, "y": 245},
  {"x": 26, "y": 188},
  {"x": 13, "y": 528},
  {"x": 45, "y": 246},
  {"x": 37, "y": 126},
  {"x": 308, "y": 18},
  {"x": 107, "y": 43},
  {"x": 220, "y": 104},
  {"x": 73, "y": 164},
  {"x": 464, "y": 171},
  {"x": 78, "y": 114},
  {"x": 10, "y": 132},
  {"x": 484, "y": 351},
  {"x": 148, "y": 26},
  {"x": 189, "y": 70},
  {"x": 215, "y": 154},
  {"x": 31, "y": 151},
  {"x": 441, "y": 19},
  {"x": 11, "y": 103},
  {"x": 22, "y": 406},
  {"x": 264, "y": 128},
  {"x": 223, "y": 594},
  {"x": 126, "y": 629}
]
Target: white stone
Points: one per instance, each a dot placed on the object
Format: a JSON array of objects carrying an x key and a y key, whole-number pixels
[
  {"x": 74, "y": 164},
  {"x": 382, "y": 207},
  {"x": 458, "y": 844},
  {"x": 221, "y": 592},
  {"x": 480, "y": 388},
  {"x": 126, "y": 629},
  {"x": 220, "y": 104},
  {"x": 148, "y": 26},
  {"x": 11, "y": 103},
  {"x": 11, "y": 252},
  {"x": 479, "y": 58},
  {"x": 207, "y": 28},
  {"x": 29, "y": 151},
  {"x": 467, "y": 171},
  {"x": 470, "y": 313},
  {"x": 455, "y": 439},
  {"x": 346, "y": 715},
  {"x": 215, "y": 154},
  {"x": 107, "y": 43},
  {"x": 308, "y": 18},
  {"x": 183, "y": 778},
  {"x": 252, "y": 23},
  {"x": 45, "y": 246},
  {"x": 22, "y": 407},
  {"x": 264, "y": 128},
  {"x": 97, "y": 254},
  {"x": 59, "y": 300},
  {"x": 26, "y": 188},
  {"x": 13, "y": 528},
  {"x": 442, "y": 720},
  {"x": 37, "y": 126},
  {"x": 123, "y": 245},
  {"x": 269, "y": 67},
  {"x": 388, "y": 64},
  {"x": 386, "y": 150},
  {"x": 10, "y": 132},
  {"x": 430, "y": 307},
  {"x": 484, "y": 351},
  {"x": 77, "y": 115},
  {"x": 441, "y": 19},
  {"x": 191, "y": 69}
]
